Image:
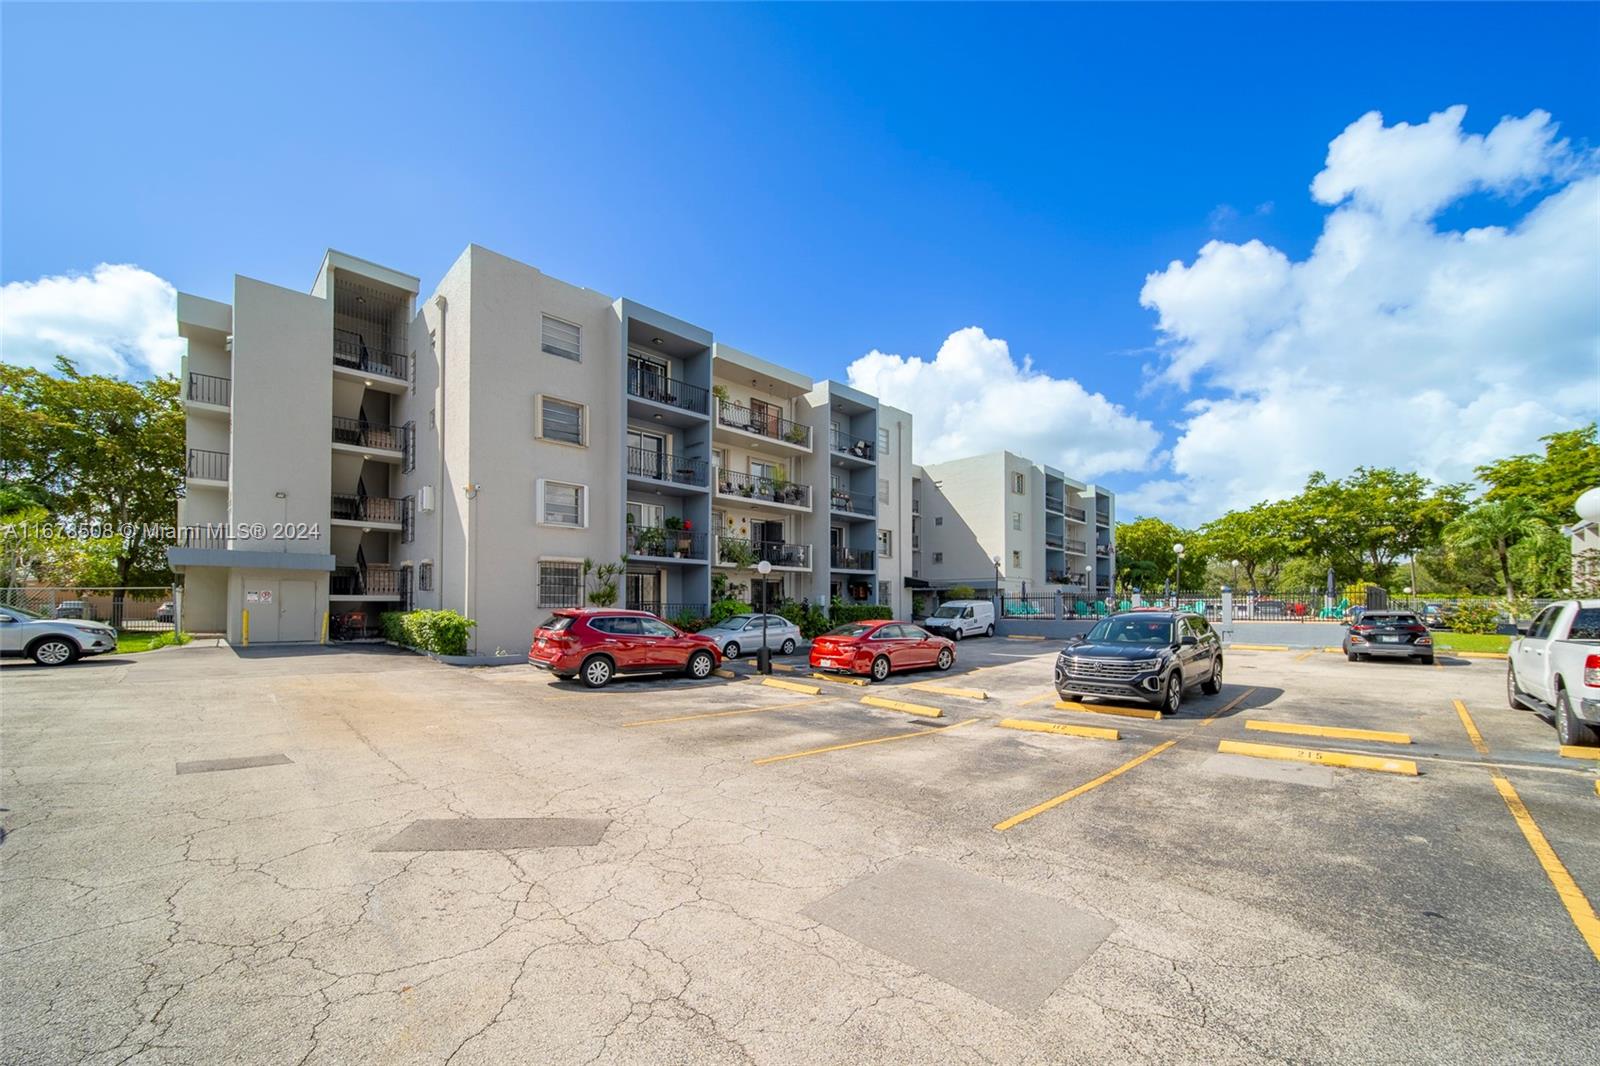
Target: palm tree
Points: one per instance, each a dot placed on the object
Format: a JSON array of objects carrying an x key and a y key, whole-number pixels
[{"x": 1497, "y": 525}]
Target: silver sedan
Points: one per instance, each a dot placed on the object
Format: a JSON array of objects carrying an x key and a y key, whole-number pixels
[{"x": 742, "y": 633}]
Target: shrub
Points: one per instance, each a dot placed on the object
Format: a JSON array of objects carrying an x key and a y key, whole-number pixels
[
  {"x": 441, "y": 632},
  {"x": 689, "y": 621},
  {"x": 812, "y": 619},
  {"x": 960, "y": 592},
  {"x": 1475, "y": 618},
  {"x": 723, "y": 610},
  {"x": 842, "y": 612},
  {"x": 392, "y": 624}
]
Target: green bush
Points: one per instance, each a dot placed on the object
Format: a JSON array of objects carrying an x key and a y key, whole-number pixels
[
  {"x": 689, "y": 621},
  {"x": 960, "y": 592},
  {"x": 393, "y": 625},
  {"x": 812, "y": 619},
  {"x": 1475, "y": 618},
  {"x": 441, "y": 632},
  {"x": 723, "y": 610},
  {"x": 842, "y": 612}
]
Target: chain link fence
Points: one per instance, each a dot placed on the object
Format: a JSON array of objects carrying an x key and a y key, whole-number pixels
[{"x": 145, "y": 609}]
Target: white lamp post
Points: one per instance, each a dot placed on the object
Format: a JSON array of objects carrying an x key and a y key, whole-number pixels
[
  {"x": 1177, "y": 549},
  {"x": 764, "y": 657}
]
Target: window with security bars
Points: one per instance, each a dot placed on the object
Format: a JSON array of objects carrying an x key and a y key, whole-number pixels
[
  {"x": 883, "y": 592},
  {"x": 560, "y": 338},
  {"x": 883, "y": 442},
  {"x": 424, "y": 577},
  {"x": 559, "y": 584},
  {"x": 938, "y": 557},
  {"x": 886, "y": 543},
  {"x": 1019, "y": 484},
  {"x": 560, "y": 420}
]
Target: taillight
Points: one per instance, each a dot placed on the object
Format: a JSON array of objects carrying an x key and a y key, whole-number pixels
[{"x": 1591, "y": 671}]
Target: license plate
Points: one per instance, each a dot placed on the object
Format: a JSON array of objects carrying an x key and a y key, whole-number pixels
[{"x": 1389, "y": 640}]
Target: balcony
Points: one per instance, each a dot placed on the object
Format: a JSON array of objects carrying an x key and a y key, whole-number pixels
[
  {"x": 375, "y": 581},
  {"x": 851, "y": 559},
  {"x": 352, "y": 353},
  {"x": 1077, "y": 514},
  {"x": 367, "y": 511},
  {"x": 1101, "y": 518},
  {"x": 1055, "y": 504},
  {"x": 210, "y": 391},
  {"x": 659, "y": 542},
  {"x": 1054, "y": 540},
  {"x": 368, "y": 438},
  {"x": 667, "y": 611},
  {"x": 854, "y": 451},
  {"x": 764, "y": 422},
  {"x": 685, "y": 404},
  {"x": 667, "y": 473},
  {"x": 742, "y": 553},
  {"x": 208, "y": 468},
  {"x": 764, "y": 490},
  {"x": 1077, "y": 547},
  {"x": 916, "y": 505},
  {"x": 1102, "y": 549},
  {"x": 855, "y": 504}
]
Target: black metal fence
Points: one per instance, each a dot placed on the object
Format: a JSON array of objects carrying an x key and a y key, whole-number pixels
[
  {"x": 648, "y": 383},
  {"x": 663, "y": 543},
  {"x": 846, "y": 444},
  {"x": 207, "y": 465},
  {"x": 851, "y": 559},
  {"x": 208, "y": 388},
  {"x": 763, "y": 421},
  {"x": 770, "y": 490},
  {"x": 659, "y": 466},
  {"x": 352, "y": 351},
  {"x": 846, "y": 502}
]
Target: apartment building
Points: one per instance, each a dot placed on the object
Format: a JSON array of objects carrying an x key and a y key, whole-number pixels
[
  {"x": 1000, "y": 520},
  {"x": 353, "y": 450}
]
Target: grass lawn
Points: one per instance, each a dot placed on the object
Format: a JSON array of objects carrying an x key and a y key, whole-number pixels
[
  {"x": 143, "y": 641},
  {"x": 1471, "y": 642}
]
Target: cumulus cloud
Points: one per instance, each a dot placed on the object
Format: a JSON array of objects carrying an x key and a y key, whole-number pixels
[
  {"x": 974, "y": 397},
  {"x": 1395, "y": 342},
  {"x": 119, "y": 319}
]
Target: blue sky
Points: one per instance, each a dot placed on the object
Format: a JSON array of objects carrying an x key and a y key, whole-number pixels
[{"x": 811, "y": 183}]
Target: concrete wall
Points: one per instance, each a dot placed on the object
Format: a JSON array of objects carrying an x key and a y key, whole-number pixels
[{"x": 896, "y": 463}]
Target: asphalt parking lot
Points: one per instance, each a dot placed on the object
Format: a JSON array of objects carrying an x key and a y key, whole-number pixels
[{"x": 362, "y": 856}]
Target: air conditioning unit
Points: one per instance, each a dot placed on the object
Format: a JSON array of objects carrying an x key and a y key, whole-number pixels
[{"x": 425, "y": 499}]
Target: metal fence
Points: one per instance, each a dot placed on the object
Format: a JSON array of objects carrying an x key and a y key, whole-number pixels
[{"x": 149, "y": 609}]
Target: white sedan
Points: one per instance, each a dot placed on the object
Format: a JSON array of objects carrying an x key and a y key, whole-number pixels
[{"x": 742, "y": 633}]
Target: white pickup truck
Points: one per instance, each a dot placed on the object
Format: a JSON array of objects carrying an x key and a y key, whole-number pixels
[{"x": 1555, "y": 667}]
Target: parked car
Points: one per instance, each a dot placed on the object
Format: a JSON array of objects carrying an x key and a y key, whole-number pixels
[
  {"x": 1151, "y": 656},
  {"x": 597, "y": 643},
  {"x": 52, "y": 641},
  {"x": 742, "y": 633},
  {"x": 961, "y": 618},
  {"x": 876, "y": 649},
  {"x": 72, "y": 609},
  {"x": 1555, "y": 668},
  {"x": 166, "y": 612},
  {"x": 1437, "y": 615},
  {"x": 1388, "y": 635}
]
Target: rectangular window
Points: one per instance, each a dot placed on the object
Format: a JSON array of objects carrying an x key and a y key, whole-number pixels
[
  {"x": 886, "y": 543},
  {"x": 561, "y": 504},
  {"x": 938, "y": 519},
  {"x": 938, "y": 557},
  {"x": 558, "y": 584},
  {"x": 883, "y": 592},
  {"x": 560, "y": 338},
  {"x": 883, "y": 490},
  {"x": 560, "y": 420},
  {"x": 425, "y": 577},
  {"x": 883, "y": 442},
  {"x": 1016, "y": 520},
  {"x": 1016, "y": 560},
  {"x": 1019, "y": 484}
]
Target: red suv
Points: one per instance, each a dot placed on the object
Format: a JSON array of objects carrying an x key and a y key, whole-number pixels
[
  {"x": 597, "y": 643},
  {"x": 877, "y": 648}
]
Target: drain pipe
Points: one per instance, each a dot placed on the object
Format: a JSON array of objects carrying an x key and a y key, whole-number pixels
[{"x": 441, "y": 570}]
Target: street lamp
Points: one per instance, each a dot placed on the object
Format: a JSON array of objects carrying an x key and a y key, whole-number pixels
[
  {"x": 995, "y": 559},
  {"x": 1177, "y": 549},
  {"x": 764, "y": 656},
  {"x": 1235, "y": 564}
]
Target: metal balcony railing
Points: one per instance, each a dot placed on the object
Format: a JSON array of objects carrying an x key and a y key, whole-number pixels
[
  {"x": 668, "y": 611},
  {"x": 847, "y": 502},
  {"x": 350, "y": 507},
  {"x": 1077, "y": 514},
  {"x": 360, "y": 433},
  {"x": 742, "y": 552},
  {"x": 1102, "y": 549},
  {"x": 374, "y": 579},
  {"x": 208, "y": 466},
  {"x": 658, "y": 466},
  {"x": 648, "y": 383},
  {"x": 1054, "y": 540},
  {"x": 749, "y": 487},
  {"x": 351, "y": 350},
  {"x": 663, "y": 543},
  {"x": 852, "y": 559},
  {"x": 845, "y": 444},
  {"x": 1101, "y": 518},
  {"x": 208, "y": 388},
  {"x": 1077, "y": 547},
  {"x": 765, "y": 422},
  {"x": 213, "y": 536},
  {"x": 1054, "y": 503}
]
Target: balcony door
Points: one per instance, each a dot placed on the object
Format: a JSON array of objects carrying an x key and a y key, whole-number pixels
[
  {"x": 647, "y": 454},
  {"x": 644, "y": 590},
  {"x": 650, "y": 375},
  {"x": 765, "y": 418}
]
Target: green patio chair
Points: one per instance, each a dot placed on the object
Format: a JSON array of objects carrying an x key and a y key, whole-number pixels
[
  {"x": 1080, "y": 608},
  {"x": 1336, "y": 611},
  {"x": 1125, "y": 605},
  {"x": 1100, "y": 609}
]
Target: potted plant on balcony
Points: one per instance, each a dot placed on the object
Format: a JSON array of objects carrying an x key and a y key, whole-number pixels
[
  {"x": 796, "y": 434},
  {"x": 778, "y": 484}
]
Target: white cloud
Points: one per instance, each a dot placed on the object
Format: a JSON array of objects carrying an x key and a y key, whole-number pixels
[
  {"x": 118, "y": 320},
  {"x": 973, "y": 397},
  {"x": 1395, "y": 342}
]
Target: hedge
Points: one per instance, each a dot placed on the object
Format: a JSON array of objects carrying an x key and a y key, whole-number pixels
[
  {"x": 841, "y": 612},
  {"x": 441, "y": 632}
]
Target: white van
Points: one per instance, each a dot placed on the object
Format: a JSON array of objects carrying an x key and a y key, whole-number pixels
[{"x": 961, "y": 618}]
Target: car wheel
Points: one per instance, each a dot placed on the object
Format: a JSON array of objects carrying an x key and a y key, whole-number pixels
[
  {"x": 788, "y": 647},
  {"x": 880, "y": 668},
  {"x": 597, "y": 671},
  {"x": 1350, "y": 656},
  {"x": 1213, "y": 684},
  {"x": 1568, "y": 729},
  {"x": 988, "y": 630},
  {"x": 730, "y": 650},
  {"x": 1513, "y": 693},
  {"x": 955, "y": 634},
  {"x": 947, "y": 658},
  {"x": 1427, "y": 660},
  {"x": 53, "y": 651},
  {"x": 700, "y": 665},
  {"x": 1173, "y": 700}
]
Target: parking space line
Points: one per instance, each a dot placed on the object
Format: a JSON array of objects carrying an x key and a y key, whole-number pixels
[
  {"x": 864, "y": 743},
  {"x": 920, "y": 710},
  {"x": 1093, "y": 732},
  {"x": 1338, "y": 732},
  {"x": 727, "y": 714},
  {"x": 1259, "y": 647},
  {"x": 1021, "y": 636},
  {"x": 945, "y": 690},
  {"x": 837, "y": 680},
  {"x": 791, "y": 686},
  {"x": 1472, "y": 729},
  {"x": 1572, "y": 897},
  {"x": 1577, "y": 751},
  {"x": 1121, "y": 712},
  {"x": 1036, "y": 699},
  {"x": 1378, "y": 763},
  {"x": 1303, "y": 656}
]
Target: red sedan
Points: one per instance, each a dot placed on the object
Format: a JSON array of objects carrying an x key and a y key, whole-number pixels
[
  {"x": 877, "y": 649},
  {"x": 597, "y": 643}
]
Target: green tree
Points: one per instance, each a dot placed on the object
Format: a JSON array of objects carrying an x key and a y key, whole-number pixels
[
  {"x": 1259, "y": 539},
  {"x": 1497, "y": 526},
  {"x": 1145, "y": 555},
  {"x": 1551, "y": 482},
  {"x": 1362, "y": 524}
]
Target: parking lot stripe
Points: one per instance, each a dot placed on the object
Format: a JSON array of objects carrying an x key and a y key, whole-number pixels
[
  {"x": 1021, "y": 636},
  {"x": 1051, "y": 804},
  {"x": 1093, "y": 732},
  {"x": 920, "y": 710},
  {"x": 1036, "y": 699},
  {"x": 1377, "y": 763},
  {"x": 1303, "y": 656},
  {"x": 1575, "y": 751},
  {"x": 1121, "y": 712},
  {"x": 864, "y": 743},
  {"x": 837, "y": 680},
  {"x": 1260, "y": 647},
  {"x": 791, "y": 686},
  {"x": 945, "y": 690},
  {"x": 1572, "y": 896},
  {"x": 726, "y": 714},
  {"x": 1471, "y": 727},
  {"x": 1339, "y": 732}
]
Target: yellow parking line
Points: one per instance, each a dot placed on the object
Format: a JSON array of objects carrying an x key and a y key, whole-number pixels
[
  {"x": 837, "y": 680},
  {"x": 1121, "y": 712},
  {"x": 1260, "y": 647},
  {"x": 727, "y": 714},
  {"x": 1322, "y": 758},
  {"x": 791, "y": 686},
  {"x": 1340, "y": 732},
  {"x": 1477, "y": 654},
  {"x": 1036, "y": 699},
  {"x": 1574, "y": 751},
  {"x": 921, "y": 710},
  {"x": 1572, "y": 897},
  {"x": 1303, "y": 656},
  {"x": 864, "y": 743},
  {"x": 1093, "y": 732},
  {"x": 1019, "y": 636},
  {"x": 1471, "y": 727}
]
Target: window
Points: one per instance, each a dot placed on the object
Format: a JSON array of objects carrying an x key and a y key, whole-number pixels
[
  {"x": 561, "y": 504},
  {"x": 1019, "y": 484},
  {"x": 938, "y": 519},
  {"x": 883, "y": 442},
  {"x": 1016, "y": 520},
  {"x": 938, "y": 557},
  {"x": 425, "y": 577},
  {"x": 561, "y": 420},
  {"x": 650, "y": 627},
  {"x": 1541, "y": 626},
  {"x": 558, "y": 584},
  {"x": 883, "y": 598},
  {"x": 883, "y": 490},
  {"x": 560, "y": 338},
  {"x": 1016, "y": 560},
  {"x": 886, "y": 543}
]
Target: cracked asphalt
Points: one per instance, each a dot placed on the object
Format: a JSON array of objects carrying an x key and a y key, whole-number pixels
[{"x": 1257, "y": 913}]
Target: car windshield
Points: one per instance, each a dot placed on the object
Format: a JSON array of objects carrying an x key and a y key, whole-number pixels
[
  {"x": 850, "y": 629},
  {"x": 733, "y": 623},
  {"x": 1389, "y": 619},
  {"x": 1132, "y": 630},
  {"x": 19, "y": 613},
  {"x": 947, "y": 611}
]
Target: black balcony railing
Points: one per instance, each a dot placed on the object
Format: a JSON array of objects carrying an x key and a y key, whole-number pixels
[
  {"x": 208, "y": 466},
  {"x": 771, "y": 490},
  {"x": 208, "y": 388},
  {"x": 764, "y": 422},
  {"x": 847, "y": 502},
  {"x": 663, "y": 543},
  {"x": 659, "y": 466},
  {"x": 1077, "y": 547},
  {"x": 360, "y": 433},
  {"x": 351, "y": 350},
  {"x": 213, "y": 536},
  {"x": 1077, "y": 514},
  {"x": 852, "y": 559},
  {"x": 375, "y": 579},
  {"x": 350, "y": 507},
  {"x": 671, "y": 612},
  {"x": 845, "y": 444},
  {"x": 742, "y": 552},
  {"x": 648, "y": 383}
]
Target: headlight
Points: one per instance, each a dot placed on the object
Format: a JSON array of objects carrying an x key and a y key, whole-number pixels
[{"x": 91, "y": 627}]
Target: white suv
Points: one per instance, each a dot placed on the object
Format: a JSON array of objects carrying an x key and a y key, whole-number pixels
[{"x": 52, "y": 641}]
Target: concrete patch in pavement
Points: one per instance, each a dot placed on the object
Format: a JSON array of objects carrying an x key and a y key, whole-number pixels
[
  {"x": 496, "y": 834},
  {"x": 207, "y": 766},
  {"x": 1287, "y": 773}
]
